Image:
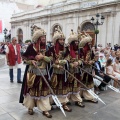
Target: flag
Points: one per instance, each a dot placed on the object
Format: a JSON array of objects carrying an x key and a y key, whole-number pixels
[{"x": 0, "y": 26}]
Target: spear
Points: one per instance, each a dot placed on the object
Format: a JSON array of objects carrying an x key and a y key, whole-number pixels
[
  {"x": 57, "y": 102},
  {"x": 110, "y": 86},
  {"x": 105, "y": 74},
  {"x": 89, "y": 90}
]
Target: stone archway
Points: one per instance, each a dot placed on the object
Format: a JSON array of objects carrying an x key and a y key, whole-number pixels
[{"x": 20, "y": 35}]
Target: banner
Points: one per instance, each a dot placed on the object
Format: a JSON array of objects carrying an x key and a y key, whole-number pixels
[{"x": 0, "y": 26}]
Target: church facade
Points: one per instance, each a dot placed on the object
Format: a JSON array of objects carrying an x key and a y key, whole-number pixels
[{"x": 71, "y": 14}]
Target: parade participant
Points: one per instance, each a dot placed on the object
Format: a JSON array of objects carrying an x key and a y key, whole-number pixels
[
  {"x": 14, "y": 59},
  {"x": 86, "y": 55},
  {"x": 59, "y": 78},
  {"x": 35, "y": 90},
  {"x": 74, "y": 64}
]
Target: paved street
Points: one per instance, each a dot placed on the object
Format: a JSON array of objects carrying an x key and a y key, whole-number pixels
[{"x": 10, "y": 109}]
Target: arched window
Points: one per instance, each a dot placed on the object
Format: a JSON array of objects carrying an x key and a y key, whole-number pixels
[{"x": 20, "y": 35}]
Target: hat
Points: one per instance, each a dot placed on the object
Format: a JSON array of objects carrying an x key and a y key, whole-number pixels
[
  {"x": 73, "y": 37},
  {"x": 58, "y": 34},
  {"x": 85, "y": 39},
  {"x": 38, "y": 33}
]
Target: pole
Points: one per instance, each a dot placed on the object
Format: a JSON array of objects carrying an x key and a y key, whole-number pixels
[
  {"x": 96, "y": 33},
  {"x": 89, "y": 90},
  {"x": 101, "y": 72},
  {"x": 105, "y": 74},
  {"x": 5, "y": 37},
  {"x": 55, "y": 98},
  {"x": 96, "y": 41},
  {"x": 111, "y": 87}
]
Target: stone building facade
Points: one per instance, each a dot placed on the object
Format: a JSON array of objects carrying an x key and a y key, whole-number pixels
[{"x": 71, "y": 14}]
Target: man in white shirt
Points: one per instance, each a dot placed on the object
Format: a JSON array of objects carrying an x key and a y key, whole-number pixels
[{"x": 13, "y": 57}]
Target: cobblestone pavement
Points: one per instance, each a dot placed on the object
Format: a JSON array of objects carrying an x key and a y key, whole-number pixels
[{"x": 10, "y": 109}]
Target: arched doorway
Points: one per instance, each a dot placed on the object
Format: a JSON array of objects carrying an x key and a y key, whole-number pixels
[
  {"x": 89, "y": 28},
  {"x": 20, "y": 36}
]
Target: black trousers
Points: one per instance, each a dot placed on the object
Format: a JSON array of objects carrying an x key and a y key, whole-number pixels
[{"x": 105, "y": 79}]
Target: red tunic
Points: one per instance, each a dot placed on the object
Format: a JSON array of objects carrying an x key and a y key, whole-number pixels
[{"x": 11, "y": 55}]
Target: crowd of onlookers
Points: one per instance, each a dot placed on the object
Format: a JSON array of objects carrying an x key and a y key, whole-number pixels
[
  {"x": 109, "y": 59},
  {"x": 3, "y": 46}
]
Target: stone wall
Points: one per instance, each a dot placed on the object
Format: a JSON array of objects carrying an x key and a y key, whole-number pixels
[{"x": 71, "y": 16}]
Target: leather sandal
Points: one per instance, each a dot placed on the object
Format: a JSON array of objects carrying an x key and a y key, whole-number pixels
[
  {"x": 66, "y": 108},
  {"x": 47, "y": 114},
  {"x": 30, "y": 111},
  {"x": 80, "y": 104}
]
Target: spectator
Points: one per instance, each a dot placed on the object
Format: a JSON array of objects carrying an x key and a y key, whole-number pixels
[
  {"x": 14, "y": 59},
  {"x": 113, "y": 56},
  {"x": 116, "y": 67},
  {"x": 102, "y": 59},
  {"x": 107, "y": 56},
  {"x": 110, "y": 71},
  {"x": 99, "y": 74}
]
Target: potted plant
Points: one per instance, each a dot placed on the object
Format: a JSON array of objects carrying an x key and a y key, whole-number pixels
[
  {"x": 96, "y": 31},
  {"x": 27, "y": 41}
]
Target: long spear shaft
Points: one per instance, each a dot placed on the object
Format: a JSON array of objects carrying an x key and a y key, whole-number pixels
[
  {"x": 110, "y": 86},
  {"x": 105, "y": 74},
  {"x": 102, "y": 72},
  {"x": 89, "y": 90},
  {"x": 76, "y": 79},
  {"x": 53, "y": 96},
  {"x": 93, "y": 76}
]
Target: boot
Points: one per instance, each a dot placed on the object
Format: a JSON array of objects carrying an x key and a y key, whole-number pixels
[{"x": 11, "y": 75}]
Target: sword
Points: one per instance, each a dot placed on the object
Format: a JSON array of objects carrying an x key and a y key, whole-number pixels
[
  {"x": 89, "y": 90},
  {"x": 57, "y": 102}
]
